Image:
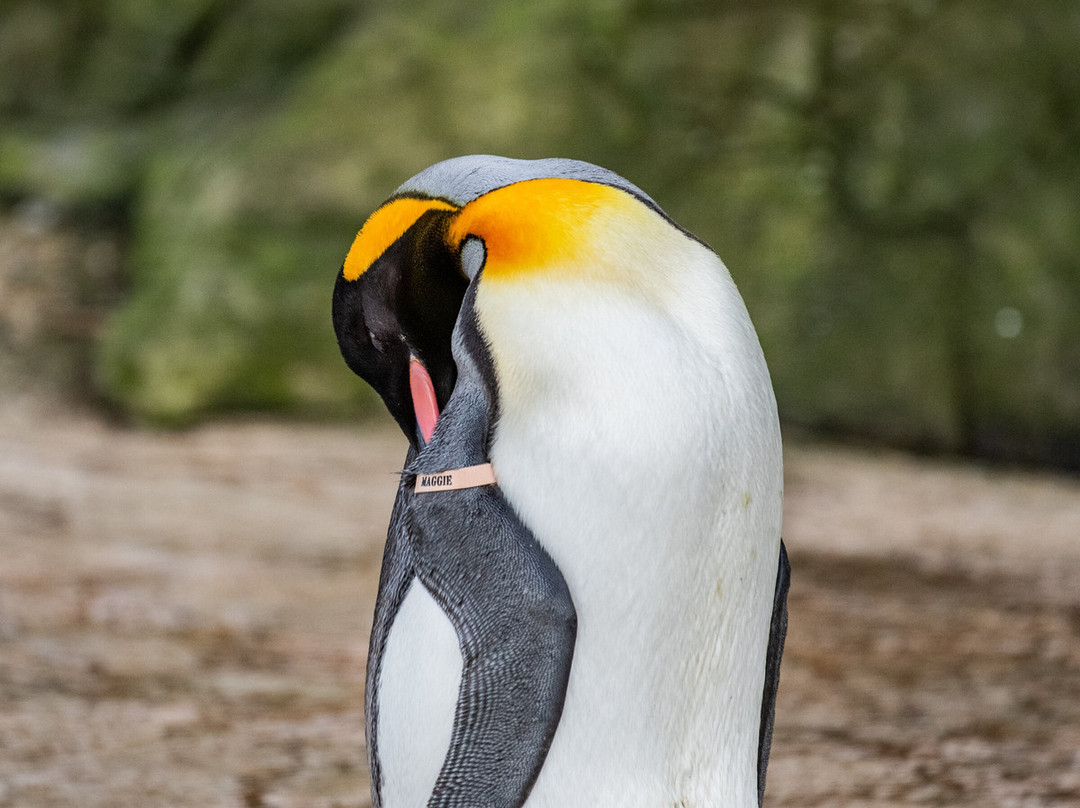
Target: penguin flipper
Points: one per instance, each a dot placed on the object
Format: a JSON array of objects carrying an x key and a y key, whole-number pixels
[
  {"x": 516, "y": 626},
  {"x": 777, "y": 633}
]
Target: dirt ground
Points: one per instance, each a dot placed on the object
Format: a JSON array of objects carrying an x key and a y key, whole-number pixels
[{"x": 184, "y": 618}]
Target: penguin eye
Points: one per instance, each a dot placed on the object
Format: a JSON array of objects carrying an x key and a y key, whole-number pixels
[
  {"x": 377, "y": 342},
  {"x": 384, "y": 344}
]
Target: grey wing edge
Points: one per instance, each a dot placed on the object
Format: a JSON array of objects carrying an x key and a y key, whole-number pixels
[
  {"x": 397, "y": 574},
  {"x": 517, "y": 626},
  {"x": 777, "y": 634}
]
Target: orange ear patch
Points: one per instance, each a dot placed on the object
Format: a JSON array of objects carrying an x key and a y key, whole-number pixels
[
  {"x": 383, "y": 228},
  {"x": 535, "y": 223}
]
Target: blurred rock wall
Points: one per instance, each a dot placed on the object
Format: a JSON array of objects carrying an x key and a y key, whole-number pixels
[
  {"x": 61, "y": 274},
  {"x": 894, "y": 185}
]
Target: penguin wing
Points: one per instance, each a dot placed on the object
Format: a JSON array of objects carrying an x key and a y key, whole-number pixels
[
  {"x": 516, "y": 626},
  {"x": 777, "y": 633}
]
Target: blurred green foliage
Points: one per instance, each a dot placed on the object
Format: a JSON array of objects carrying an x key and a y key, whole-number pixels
[{"x": 895, "y": 184}]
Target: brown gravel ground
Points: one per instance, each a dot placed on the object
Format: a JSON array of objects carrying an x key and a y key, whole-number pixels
[{"x": 184, "y": 618}]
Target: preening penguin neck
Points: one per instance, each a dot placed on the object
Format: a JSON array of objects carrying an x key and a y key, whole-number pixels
[{"x": 637, "y": 437}]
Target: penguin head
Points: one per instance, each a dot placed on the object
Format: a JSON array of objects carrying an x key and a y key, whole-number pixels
[
  {"x": 396, "y": 300},
  {"x": 400, "y": 289}
]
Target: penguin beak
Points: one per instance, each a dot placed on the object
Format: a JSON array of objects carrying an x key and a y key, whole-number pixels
[{"x": 425, "y": 402}]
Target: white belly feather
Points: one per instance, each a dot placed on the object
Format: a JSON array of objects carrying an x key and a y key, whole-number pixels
[
  {"x": 418, "y": 691},
  {"x": 642, "y": 448}
]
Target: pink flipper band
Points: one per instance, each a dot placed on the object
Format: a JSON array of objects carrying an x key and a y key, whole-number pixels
[
  {"x": 454, "y": 479},
  {"x": 425, "y": 405}
]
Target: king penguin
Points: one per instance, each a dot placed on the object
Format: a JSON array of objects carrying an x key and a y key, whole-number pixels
[{"x": 583, "y": 592}]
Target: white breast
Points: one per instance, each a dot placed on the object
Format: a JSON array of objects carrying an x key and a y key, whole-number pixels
[
  {"x": 638, "y": 439},
  {"x": 418, "y": 690}
]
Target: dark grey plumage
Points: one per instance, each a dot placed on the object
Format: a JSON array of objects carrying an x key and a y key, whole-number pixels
[
  {"x": 777, "y": 634},
  {"x": 508, "y": 603}
]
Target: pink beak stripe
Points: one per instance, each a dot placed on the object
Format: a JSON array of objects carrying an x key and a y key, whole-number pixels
[{"x": 425, "y": 405}]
